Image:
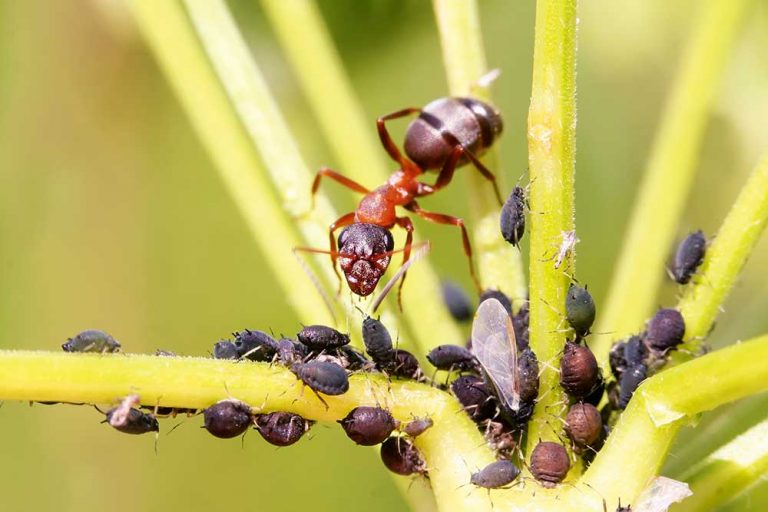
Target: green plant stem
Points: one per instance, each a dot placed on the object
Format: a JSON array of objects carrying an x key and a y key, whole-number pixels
[
  {"x": 668, "y": 176},
  {"x": 166, "y": 29},
  {"x": 499, "y": 264},
  {"x": 726, "y": 256},
  {"x": 728, "y": 471},
  {"x": 551, "y": 153}
]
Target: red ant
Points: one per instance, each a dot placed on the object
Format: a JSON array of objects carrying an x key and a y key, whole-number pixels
[{"x": 448, "y": 133}]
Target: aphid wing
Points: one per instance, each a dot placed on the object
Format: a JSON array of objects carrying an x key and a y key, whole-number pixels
[{"x": 494, "y": 346}]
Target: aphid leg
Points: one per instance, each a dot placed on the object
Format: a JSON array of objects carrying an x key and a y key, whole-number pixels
[
  {"x": 386, "y": 139},
  {"x": 338, "y": 178},
  {"x": 439, "y": 218}
]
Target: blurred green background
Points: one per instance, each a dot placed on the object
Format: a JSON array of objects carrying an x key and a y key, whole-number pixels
[{"x": 112, "y": 217}]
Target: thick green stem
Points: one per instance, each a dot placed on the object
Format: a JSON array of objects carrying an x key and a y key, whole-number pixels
[
  {"x": 499, "y": 264},
  {"x": 551, "y": 154},
  {"x": 669, "y": 175}
]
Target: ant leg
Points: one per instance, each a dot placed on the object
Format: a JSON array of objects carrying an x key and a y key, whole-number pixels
[
  {"x": 446, "y": 173},
  {"x": 339, "y": 178},
  {"x": 439, "y": 218},
  {"x": 386, "y": 139},
  {"x": 487, "y": 174},
  {"x": 407, "y": 225}
]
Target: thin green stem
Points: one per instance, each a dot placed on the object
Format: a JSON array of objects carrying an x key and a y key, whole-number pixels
[
  {"x": 726, "y": 256},
  {"x": 668, "y": 175},
  {"x": 168, "y": 33},
  {"x": 728, "y": 471},
  {"x": 551, "y": 154},
  {"x": 499, "y": 264}
]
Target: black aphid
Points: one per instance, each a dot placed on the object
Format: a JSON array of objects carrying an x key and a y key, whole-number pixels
[
  {"x": 353, "y": 359},
  {"x": 626, "y": 354},
  {"x": 451, "y": 357},
  {"x": 578, "y": 370},
  {"x": 630, "y": 380},
  {"x": 512, "y": 220},
  {"x": 665, "y": 330},
  {"x": 289, "y": 351},
  {"x": 227, "y": 418},
  {"x": 689, "y": 255},
  {"x": 225, "y": 350},
  {"x": 457, "y": 301},
  {"x": 474, "y": 396},
  {"x": 133, "y": 421},
  {"x": 501, "y": 438},
  {"x": 595, "y": 396},
  {"x": 579, "y": 309},
  {"x": 405, "y": 365},
  {"x": 583, "y": 424},
  {"x": 549, "y": 463},
  {"x": 528, "y": 375},
  {"x": 520, "y": 325},
  {"x": 322, "y": 377},
  {"x": 401, "y": 457},
  {"x": 281, "y": 428},
  {"x": 255, "y": 345},
  {"x": 368, "y": 426},
  {"x": 321, "y": 337},
  {"x": 91, "y": 340},
  {"x": 417, "y": 426},
  {"x": 378, "y": 342},
  {"x": 495, "y": 475},
  {"x": 499, "y": 296}
]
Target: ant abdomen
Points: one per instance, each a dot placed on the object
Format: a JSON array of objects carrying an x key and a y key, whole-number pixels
[{"x": 443, "y": 123}]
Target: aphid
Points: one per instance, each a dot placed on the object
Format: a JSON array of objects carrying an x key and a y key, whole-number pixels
[
  {"x": 583, "y": 424},
  {"x": 474, "y": 397},
  {"x": 579, "y": 309},
  {"x": 689, "y": 255},
  {"x": 457, "y": 301},
  {"x": 520, "y": 324},
  {"x": 494, "y": 346},
  {"x": 596, "y": 395},
  {"x": 368, "y": 426},
  {"x": 91, "y": 340},
  {"x": 281, "y": 428},
  {"x": 353, "y": 359},
  {"x": 255, "y": 345},
  {"x": 378, "y": 342},
  {"x": 451, "y": 357},
  {"x": 578, "y": 370},
  {"x": 322, "y": 377},
  {"x": 164, "y": 353},
  {"x": 501, "y": 438},
  {"x": 490, "y": 293},
  {"x": 289, "y": 351},
  {"x": 495, "y": 475},
  {"x": 528, "y": 375},
  {"x": 512, "y": 220},
  {"x": 630, "y": 380},
  {"x": 134, "y": 422},
  {"x": 417, "y": 426},
  {"x": 405, "y": 365},
  {"x": 549, "y": 463},
  {"x": 401, "y": 457},
  {"x": 627, "y": 353},
  {"x": 227, "y": 418},
  {"x": 225, "y": 350},
  {"x": 566, "y": 247},
  {"x": 321, "y": 337},
  {"x": 665, "y": 330}
]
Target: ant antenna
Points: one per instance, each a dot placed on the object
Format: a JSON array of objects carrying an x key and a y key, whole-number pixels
[
  {"x": 416, "y": 256},
  {"x": 316, "y": 283}
]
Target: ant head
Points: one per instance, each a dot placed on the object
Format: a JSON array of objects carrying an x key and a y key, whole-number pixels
[{"x": 365, "y": 251}]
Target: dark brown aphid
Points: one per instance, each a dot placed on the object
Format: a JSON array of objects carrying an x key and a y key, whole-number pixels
[
  {"x": 512, "y": 220},
  {"x": 451, "y": 357},
  {"x": 321, "y": 337},
  {"x": 598, "y": 390},
  {"x": 499, "y": 296},
  {"x": 255, "y": 345},
  {"x": 549, "y": 463},
  {"x": 579, "y": 309},
  {"x": 417, "y": 426},
  {"x": 136, "y": 422},
  {"x": 281, "y": 428},
  {"x": 227, "y": 418},
  {"x": 501, "y": 438},
  {"x": 495, "y": 475},
  {"x": 457, "y": 301},
  {"x": 322, "y": 377},
  {"x": 474, "y": 396},
  {"x": 353, "y": 359},
  {"x": 405, "y": 365},
  {"x": 578, "y": 370},
  {"x": 630, "y": 380},
  {"x": 368, "y": 426},
  {"x": 528, "y": 375},
  {"x": 225, "y": 350},
  {"x": 665, "y": 330},
  {"x": 378, "y": 342},
  {"x": 689, "y": 255},
  {"x": 91, "y": 340},
  {"x": 401, "y": 457},
  {"x": 520, "y": 324},
  {"x": 583, "y": 424}
]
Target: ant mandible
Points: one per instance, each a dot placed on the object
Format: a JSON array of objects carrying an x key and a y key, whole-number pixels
[{"x": 448, "y": 133}]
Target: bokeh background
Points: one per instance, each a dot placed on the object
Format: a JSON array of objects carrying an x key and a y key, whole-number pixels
[{"x": 112, "y": 217}]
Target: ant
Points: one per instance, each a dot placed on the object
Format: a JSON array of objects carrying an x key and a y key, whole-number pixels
[{"x": 448, "y": 133}]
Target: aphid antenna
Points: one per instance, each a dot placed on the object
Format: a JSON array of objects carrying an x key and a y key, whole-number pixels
[
  {"x": 316, "y": 282},
  {"x": 422, "y": 248}
]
